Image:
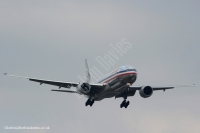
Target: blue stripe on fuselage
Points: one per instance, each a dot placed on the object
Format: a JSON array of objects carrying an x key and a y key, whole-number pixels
[{"x": 120, "y": 72}]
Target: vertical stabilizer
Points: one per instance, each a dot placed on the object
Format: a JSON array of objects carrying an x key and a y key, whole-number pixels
[{"x": 88, "y": 77}]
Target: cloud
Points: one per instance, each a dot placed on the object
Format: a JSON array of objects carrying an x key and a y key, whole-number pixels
[{"x": 51, "y": 39}]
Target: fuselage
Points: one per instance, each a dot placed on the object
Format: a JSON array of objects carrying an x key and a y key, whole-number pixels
[{"x": 116, "y": 81}]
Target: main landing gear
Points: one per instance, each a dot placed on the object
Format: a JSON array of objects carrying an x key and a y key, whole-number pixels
[
  {"x": 124, "y": 104},
  {"x": 89, "y": 102}
]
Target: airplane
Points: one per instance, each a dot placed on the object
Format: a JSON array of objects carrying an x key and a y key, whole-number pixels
[{"x": 117, "y": 84}]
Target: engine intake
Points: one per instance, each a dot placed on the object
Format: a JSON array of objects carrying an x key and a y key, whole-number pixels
[
  {"x": 84, "y": 88},
  {"x": 146, "y": 91}
]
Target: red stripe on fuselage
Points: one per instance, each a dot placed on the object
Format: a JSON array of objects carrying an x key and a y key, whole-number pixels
[{"x": 118, "y": 75}]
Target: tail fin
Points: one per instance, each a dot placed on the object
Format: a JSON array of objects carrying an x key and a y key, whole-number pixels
[{"x": 88, "y": 77}]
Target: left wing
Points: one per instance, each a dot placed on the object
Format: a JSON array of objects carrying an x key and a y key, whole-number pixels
[
  {"x": 130, "y": 90},
  {"x": 155, "y": 88}
]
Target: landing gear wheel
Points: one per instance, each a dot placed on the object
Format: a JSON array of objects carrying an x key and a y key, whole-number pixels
[
  {"x": 89, "y": 102},
  {"x": 124, "y": 104}
]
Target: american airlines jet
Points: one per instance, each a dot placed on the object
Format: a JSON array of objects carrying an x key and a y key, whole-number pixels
[{"x": 118, "y": 84}]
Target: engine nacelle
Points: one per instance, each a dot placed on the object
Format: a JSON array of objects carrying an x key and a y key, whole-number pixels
[
  {"x": 84, "y": 88},
  {"x": 146, "y": 91}
]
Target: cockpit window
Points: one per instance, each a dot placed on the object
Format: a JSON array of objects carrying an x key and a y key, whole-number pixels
[
  {"x": 131, "y": 69},
  {"x": 125, "y": 69}
]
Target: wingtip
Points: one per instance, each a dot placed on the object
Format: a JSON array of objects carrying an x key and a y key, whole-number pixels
[{"x": 5, "y": 73}]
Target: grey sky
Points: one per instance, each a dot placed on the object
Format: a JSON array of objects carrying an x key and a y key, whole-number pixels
[{"x": 51, "y": 39}]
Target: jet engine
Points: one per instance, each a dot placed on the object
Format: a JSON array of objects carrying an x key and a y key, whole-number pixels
[
  {"x": 146, "y": 91},
  {"x": 84, "y": 88}
]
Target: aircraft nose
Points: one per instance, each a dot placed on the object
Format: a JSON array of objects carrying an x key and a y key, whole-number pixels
[{"x": 133, "y": 74}]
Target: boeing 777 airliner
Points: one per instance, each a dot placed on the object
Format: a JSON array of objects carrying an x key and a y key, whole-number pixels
[{"x": 118, "y": 84}]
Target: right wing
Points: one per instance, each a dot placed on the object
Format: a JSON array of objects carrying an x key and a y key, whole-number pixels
[
  {"x": 50, "y": 82},
  {"x": 55, "y": 83},
  {"x": 95, "y": 88}
]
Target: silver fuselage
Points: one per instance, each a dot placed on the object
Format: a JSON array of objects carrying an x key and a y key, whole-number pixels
[{"x": 116, "y": 82}]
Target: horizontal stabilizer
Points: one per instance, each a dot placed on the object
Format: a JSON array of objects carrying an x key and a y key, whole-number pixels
[{"x": 68, "y": 91}]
